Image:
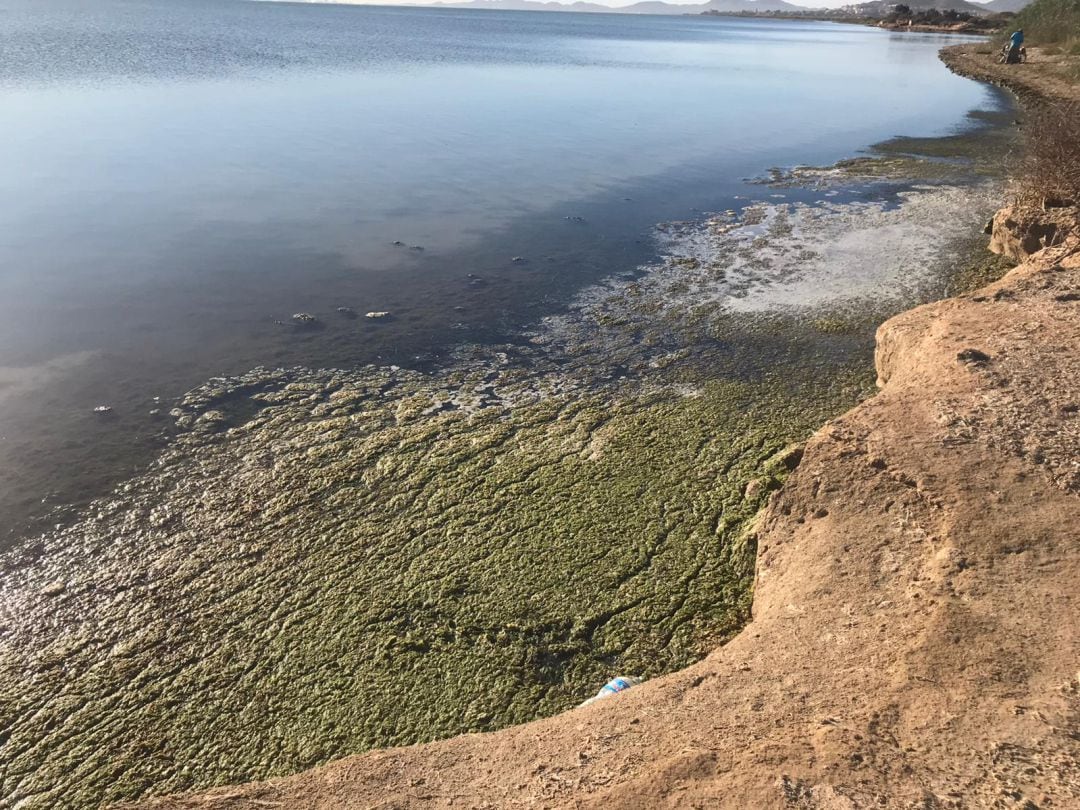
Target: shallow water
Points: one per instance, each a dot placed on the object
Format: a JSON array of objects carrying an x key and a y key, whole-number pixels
[{"x": 179, "y": 177}]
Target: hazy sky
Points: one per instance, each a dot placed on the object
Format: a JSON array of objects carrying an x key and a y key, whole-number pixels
[{"x": 612, "y": 3}]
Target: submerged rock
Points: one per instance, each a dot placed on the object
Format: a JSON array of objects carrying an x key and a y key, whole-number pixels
[{"x": 54, "y": 588}]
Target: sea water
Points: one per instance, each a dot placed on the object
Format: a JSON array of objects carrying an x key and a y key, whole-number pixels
[{"x": 181, "y": 177}]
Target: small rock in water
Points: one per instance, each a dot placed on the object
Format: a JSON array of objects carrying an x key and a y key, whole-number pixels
[
  {"x": 304, "y": 317},
  {"x": 377, "y": 314},
  {"x": 155, "y": 411},
  {"x": 103, "y": 409},
  {"x": 398, "y": 243},
  {"x": 517, "y": 259},
  {"x": 54, "y": 588}
]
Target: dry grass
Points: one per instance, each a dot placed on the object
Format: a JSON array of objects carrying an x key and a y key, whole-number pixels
[
  {"x": 1050, "y": 178},
  {"x": 1049, "y": 22}
]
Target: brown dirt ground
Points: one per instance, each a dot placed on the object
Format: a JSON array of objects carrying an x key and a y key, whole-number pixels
[
  {"x": 1043, "y": 76},
  {"x": 914, "y": 641}
]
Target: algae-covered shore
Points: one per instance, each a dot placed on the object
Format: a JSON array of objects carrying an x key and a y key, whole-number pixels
[
  {"x": 326, "y": 561},
  {"x": 914, "y": 637}
]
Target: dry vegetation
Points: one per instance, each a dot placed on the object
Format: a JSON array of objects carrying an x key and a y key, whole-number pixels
[
  {"x": 1054, "y": 23},
  {"x": 1050, "y": 180}
]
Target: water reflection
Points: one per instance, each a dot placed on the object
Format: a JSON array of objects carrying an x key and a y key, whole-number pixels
[{"x": 181, "y": 175}]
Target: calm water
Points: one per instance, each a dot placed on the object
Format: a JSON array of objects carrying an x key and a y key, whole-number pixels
[{"x": 180, "y": 175}]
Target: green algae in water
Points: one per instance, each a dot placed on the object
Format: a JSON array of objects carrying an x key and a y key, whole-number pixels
[
  {"x": 350, "y": 569},
  {"x": 981, "y": 269}
]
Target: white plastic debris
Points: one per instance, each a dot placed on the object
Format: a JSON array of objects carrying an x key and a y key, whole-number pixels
[{"x": 614, "y": 686}]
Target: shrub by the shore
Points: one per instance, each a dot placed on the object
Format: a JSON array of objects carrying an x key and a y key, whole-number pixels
[
  {"x": 1050, "y": 22},
  {"x": 1051, "y": 171}
]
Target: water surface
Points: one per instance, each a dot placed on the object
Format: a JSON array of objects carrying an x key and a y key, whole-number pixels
[{"x": 181, "y": 177}]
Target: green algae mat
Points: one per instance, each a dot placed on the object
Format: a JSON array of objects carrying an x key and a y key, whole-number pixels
[{"x": 352, "y": 568}]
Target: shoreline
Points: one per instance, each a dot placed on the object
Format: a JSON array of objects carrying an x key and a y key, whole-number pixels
[
  {"x": 893, "y": 565},
  {"x": 336, "y": 399},
  {"x": 567, "y": 422},
  {"x": 1026, "y": 81}
]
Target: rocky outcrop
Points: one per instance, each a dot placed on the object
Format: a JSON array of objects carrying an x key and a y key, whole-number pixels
[
  {"x": 1013, "y": 237},
  {"x": 914, "y": 640}
]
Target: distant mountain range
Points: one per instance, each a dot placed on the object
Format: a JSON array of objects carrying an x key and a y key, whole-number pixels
[
  {"x": 998, "y": 6},
  {"x": 645, "y": 7},
  {"x": 874, "y": 8}
]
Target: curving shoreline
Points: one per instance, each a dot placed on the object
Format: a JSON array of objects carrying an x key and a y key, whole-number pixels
[
  {"x": 913, "y": 639},
  {"x": 333, "y": 560}
]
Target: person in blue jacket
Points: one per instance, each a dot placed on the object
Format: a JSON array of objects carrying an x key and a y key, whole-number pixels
[{"x": 1016, "y": 45}]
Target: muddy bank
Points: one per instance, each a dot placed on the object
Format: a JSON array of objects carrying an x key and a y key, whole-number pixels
[
  {"x": 327, "y": 561},
  {"x": 1043, "y": 77}
]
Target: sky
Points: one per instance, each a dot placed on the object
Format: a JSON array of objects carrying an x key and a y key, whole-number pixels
[{"x": 612, "y": 3}]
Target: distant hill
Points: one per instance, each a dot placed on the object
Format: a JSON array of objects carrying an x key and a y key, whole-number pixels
[
  {"x": 997, "y": 6},
  {"x": 644, "y": 7},
  {"x": 727, "y": 6},
  {"x": 881, "y": 8}
]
